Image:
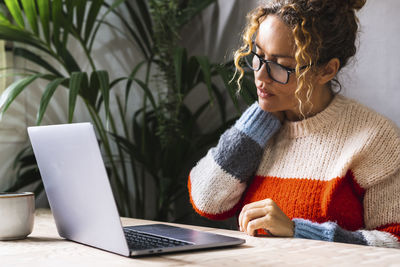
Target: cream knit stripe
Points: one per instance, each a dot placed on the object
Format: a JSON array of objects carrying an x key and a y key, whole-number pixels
[
  {"x": 345, "y": 136},
  {"x": 380, "y": 239},
  {"x": 382, "y": 204},
  {"x": 381, "y": 150},
  {"x": 312, "y": 148},
  {"x": 213, "y": 190}
]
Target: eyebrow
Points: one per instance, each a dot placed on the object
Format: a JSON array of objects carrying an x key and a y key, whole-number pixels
[{"x": 276, "y": 55}]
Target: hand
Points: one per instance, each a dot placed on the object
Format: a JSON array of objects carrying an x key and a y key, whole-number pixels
[{"x": 265, "y": 214}]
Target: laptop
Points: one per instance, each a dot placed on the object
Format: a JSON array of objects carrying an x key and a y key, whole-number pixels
[{"x": 82, "y": 202}]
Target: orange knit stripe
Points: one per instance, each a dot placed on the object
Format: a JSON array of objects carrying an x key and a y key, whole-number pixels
[
  {"x": 392, "y": 228},
  {"x": 221, "y": 216},
  {"x": 339, "y": 200}
]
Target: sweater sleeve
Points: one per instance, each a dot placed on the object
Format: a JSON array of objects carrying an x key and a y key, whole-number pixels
[
  {"x": 218, "y": 181},
  {"x": 385, "y": 232},
  {"x": 382, "y": 220},
  {"x": 377, "y": 170}
]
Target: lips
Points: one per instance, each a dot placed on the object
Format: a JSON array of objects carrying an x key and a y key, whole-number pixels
[{"x": 263, "y": 94}]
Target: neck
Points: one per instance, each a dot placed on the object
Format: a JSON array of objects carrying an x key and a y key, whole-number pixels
[{"x": 320, "y": 99}]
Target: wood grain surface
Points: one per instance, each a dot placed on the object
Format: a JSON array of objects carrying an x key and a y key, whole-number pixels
[{"x": 45, "y": 248}]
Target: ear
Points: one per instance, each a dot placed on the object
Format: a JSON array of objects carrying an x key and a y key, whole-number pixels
[{"x": 328, "y": 71}]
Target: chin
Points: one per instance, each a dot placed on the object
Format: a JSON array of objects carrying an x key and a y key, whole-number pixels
[{"x": 267, "y": 105}]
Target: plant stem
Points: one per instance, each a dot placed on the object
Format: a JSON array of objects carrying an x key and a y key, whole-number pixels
[{"x": 85, "y": 49}]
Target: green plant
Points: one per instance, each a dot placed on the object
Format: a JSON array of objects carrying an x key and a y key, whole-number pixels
[{"x": 162, "y": 140}]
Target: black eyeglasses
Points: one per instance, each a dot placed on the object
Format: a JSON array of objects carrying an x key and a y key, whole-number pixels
[{"x": 276, "y": 71}]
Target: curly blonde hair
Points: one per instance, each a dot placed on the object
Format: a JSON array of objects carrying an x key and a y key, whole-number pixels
[{"x": 322, "y": 30}]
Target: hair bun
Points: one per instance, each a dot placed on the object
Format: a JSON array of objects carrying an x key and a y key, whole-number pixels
[{"x": 356, "y": 4}]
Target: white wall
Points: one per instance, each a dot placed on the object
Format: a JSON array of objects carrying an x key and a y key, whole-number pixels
[{"x": 374, "y": 76}]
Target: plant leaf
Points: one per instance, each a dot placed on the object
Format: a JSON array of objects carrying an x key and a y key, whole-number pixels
[
  {"x": 70, "y": 62},
  {"x": 145, "y": 50},
  {"x": 56, "y": 7},
  {"x": 30, "y": 12},
  {"x": 179, "y": 58},
  {"x": 141, "y": 29},
  {"x": 92, "y": 92},
  {"x": 144, "y": 12},
  {"x": 15, "y": 10},
  {"x": 47, "y": 95},
  {"x": 44, "y": 13},
  {"x": 4, "y": 20},
  {"x": 249, "y": 91},
  {"x": 147, "y": 92},
  {"x": 224, "y": 74},
  {"x": 21, "y": 154},
  {"x": 11, "y": 33},
  {"x": 130, "y": 80},
  {"x": 194, "y": 8},
  {"x": 105, "y": 90},
  {"x": 80, "y": 14},
  {"x": 22, "y": 52},
  {"x": 67, "y": 22},
  {"x": 91, "y": 18},
  {"x": 206, "y": 71},
  {"x": 192, "y": 72},
  {"x": 111, "y": 8},
  {"x": 221, "y": 103},
  {"x": 38, "y": 189},
  {"x": 74, "y": 88},
  {"x": 28, "y": 177},
  {"x": 8, "y": 96}
]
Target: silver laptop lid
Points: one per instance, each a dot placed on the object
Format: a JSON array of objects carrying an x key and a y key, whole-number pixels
[{"x": 76, "y": 182}]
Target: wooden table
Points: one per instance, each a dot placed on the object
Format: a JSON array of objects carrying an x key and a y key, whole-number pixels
[{"x": 45, "y": 248}]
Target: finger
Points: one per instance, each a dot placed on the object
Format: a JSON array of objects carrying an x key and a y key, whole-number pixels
[
  {"x": 255, "y": 224},
  {"x": 252, "y": 214},
  {"x": 257, "y": 204}
]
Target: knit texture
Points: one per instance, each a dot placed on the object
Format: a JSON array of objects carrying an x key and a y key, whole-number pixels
[
  {"x": 222, "y": 174},
  {"x": 336, "y": 174}
]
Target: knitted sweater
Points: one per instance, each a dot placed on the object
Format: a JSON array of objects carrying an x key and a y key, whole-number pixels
[{"x": 336, "y": 174}]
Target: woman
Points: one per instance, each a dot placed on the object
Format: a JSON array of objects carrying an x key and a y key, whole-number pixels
[{"x": 304, "y": 161}]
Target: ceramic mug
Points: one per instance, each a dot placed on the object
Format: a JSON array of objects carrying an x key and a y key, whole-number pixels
[{"x": 17, "y": 212}]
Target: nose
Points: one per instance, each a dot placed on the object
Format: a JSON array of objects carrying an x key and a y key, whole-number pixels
[{"x": 262, "y": 74}]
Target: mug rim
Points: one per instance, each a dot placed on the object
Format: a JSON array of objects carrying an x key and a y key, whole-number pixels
[{"x": 15, "y": 194}]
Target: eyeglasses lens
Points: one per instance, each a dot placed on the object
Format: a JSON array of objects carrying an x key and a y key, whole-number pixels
[
  {"x": 278, "y": 73},
  {"x": 275, "y": 71}
]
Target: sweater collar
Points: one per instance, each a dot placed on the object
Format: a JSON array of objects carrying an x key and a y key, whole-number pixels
[{"x": 326, "y": 118}]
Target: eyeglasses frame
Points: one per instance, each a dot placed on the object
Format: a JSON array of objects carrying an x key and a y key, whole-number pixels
[{"x": 267, "y": 62}]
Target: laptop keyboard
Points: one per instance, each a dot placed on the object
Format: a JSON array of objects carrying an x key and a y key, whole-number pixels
[{"x": 139, "y": 240}]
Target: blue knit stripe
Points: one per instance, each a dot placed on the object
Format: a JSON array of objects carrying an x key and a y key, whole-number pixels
[
  {"x": 258, "y": 124},
  {"x": 237, "y": 154},
  {"x": 328, "y": 231},
  {"x": 309, "y": 230}
]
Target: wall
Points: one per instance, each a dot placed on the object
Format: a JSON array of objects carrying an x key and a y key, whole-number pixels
[{"x": 373, "y": 78}]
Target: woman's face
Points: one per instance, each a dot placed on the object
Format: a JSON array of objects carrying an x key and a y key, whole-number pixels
[{"x": 275, "y": 42}]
